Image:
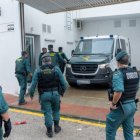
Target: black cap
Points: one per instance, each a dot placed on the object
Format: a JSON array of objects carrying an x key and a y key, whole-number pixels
[
  {"x": 50, "y": 46},
  {"x": 60, "y": 48}
]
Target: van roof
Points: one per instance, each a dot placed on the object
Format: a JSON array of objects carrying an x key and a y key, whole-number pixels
[{"x": 104, "y": 36}]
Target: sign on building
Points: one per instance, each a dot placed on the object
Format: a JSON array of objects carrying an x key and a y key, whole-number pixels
[{"x": 7, "y": 27}]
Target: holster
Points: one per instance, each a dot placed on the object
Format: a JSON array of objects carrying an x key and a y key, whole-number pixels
[
  {"x": 110, "y": 94},
  {"x": 21, "y": 73},
  {"x": 136, "y": 101},
  {"x": 0, "y": 122},
  {"x": 60, "y": 91}
]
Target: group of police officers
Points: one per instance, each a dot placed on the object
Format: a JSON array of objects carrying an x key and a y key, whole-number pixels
[{"x": 51, "y": 85}]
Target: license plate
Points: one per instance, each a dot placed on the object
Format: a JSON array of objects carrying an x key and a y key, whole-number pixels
[{"x": 83, "y": 81}]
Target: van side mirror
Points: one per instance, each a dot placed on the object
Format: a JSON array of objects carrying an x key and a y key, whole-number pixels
[{"x": 72, "y": 52}]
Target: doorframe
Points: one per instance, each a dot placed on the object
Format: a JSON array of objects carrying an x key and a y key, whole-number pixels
[{"x": 33, "y": 48}]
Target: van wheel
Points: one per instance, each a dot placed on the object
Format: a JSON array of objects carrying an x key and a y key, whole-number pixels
[{"x": 73, "y": 84}]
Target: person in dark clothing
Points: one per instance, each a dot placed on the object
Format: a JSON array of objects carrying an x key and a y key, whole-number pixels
[
  {"x": 44, "y": 50},
  {"x": 63, "y": 55}
]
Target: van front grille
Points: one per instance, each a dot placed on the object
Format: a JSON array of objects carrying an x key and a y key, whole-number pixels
[{"x": 84, "y": 68}]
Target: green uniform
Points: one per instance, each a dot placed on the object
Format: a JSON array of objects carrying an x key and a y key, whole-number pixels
[
  {"x": 62, "y": 64},
  {"x": 40, "y": 58},
  {"x": 124, "y": 114},
  {"x": 3, "y": 109},
  {"x": 56, "y": 59},
  {"x": 49, "y": 97},
  {"x": 22, "y": 70}
]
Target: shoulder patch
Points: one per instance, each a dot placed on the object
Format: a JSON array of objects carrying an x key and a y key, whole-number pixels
[
  {"x": 19, "y": 59},
  {"x": 117, "y": 73}
]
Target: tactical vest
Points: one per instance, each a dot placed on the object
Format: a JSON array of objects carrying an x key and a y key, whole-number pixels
[
  {"x": 47, "y": 79},
  {"x": 20, "y": 67},
  {"x": 53, "y": 58},
  {"x": 131, "y": 83},
  {"x": 61, "y": 54}
]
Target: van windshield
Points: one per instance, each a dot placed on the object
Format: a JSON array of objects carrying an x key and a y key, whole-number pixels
[{"x": 95, "y": 47}]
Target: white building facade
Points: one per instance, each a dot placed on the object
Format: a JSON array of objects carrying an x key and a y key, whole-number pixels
[
  {"x": 10, "y": 44},
  {"x": 60, "y": 30}
]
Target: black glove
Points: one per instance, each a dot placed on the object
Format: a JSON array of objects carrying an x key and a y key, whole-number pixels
[{"x": 8, "y": 128}]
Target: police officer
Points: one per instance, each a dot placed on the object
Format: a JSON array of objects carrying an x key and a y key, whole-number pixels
[
  {"x": 125, "y": 84},
  {"x": 4, "y": 117},
  {"x": 22, "y": 71},
  {"x": 55, "y": 57},
  {"x": 63, "y": 55},
  {"x": 49, "y": 78},
  {"x": 44, "y": 50}
]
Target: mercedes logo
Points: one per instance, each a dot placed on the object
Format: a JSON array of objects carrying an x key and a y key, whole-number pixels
[{"x": 83, "y": 68}]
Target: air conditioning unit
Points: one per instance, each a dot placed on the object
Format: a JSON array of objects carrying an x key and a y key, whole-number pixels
[{"x": 79, "y": 24}]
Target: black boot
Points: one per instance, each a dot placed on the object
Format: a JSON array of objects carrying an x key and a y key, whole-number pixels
[
  {"x": 49, "y": 132},
  {"x": 57, "y": 128}
]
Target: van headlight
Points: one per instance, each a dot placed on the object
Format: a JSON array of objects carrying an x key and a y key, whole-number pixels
[
  {"x": 68, "y": 65},
  {"x": 102, "y": 66}
]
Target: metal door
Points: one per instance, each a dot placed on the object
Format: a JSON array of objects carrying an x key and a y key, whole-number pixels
[{"x": 29, "y": 47}]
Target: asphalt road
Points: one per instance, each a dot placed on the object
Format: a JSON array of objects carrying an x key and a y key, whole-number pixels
[{"x": 35, "y": 130}]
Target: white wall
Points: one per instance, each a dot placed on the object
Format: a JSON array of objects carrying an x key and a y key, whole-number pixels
[
  {"x": 10, "y": 42},
  {"x": 10, "y": 46},
  {"x": 35, "y": 19},
  {"x": 106, "y": 27},
  {"x": 109, "y": 10}
]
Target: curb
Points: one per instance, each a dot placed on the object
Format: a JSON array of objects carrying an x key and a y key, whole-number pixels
[{"x": 68, "y": 116}]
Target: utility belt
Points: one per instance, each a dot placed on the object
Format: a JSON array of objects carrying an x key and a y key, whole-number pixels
[
  {"x": 121, "y": 103},
  {"x": 110, "y": 97},
  {"x": 41, "y": 91},
  {"x": 21, "y": 73},
  {"x": 0, "y": 122},
  {"x": 130, "y": 101},
  {"x": 127, "y": 102}
]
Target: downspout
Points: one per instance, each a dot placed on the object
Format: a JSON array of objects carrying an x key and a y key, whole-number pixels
[{"x": 22, "y": 25}]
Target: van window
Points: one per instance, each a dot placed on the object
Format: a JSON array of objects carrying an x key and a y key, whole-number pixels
[
  {"x": 94, "y": 47},
  {"x": 123, "y": 45}
]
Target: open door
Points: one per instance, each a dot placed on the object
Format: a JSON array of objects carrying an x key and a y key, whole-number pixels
[{"x": 29, "y": 47}]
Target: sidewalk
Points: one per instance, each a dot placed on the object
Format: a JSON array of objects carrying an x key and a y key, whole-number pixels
[{"x": 82, "y": 111}]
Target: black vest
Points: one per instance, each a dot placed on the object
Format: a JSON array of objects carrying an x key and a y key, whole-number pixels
[
  {"x": 131, "y": 83},
  {"x": 47, "y": 79}
]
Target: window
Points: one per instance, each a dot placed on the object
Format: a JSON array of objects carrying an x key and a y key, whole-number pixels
[
  {"x": 132, "y": 23},
  {"x": 95, "y": 47},
  {"x": 49, "y": 29},
  {"x": 117, "y": 23},
  {"x": 44, "y": 28},
  {"x": 123, "y": 45},
  {"x": 0, "y": 11}
]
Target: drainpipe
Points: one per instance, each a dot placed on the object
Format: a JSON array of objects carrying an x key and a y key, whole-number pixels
[{"x": 22, "y": 25}]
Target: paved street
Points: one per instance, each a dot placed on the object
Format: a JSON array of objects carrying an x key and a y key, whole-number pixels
[
  {"x": 83, "y": 102},
  {"x": 35, "y": 130}
]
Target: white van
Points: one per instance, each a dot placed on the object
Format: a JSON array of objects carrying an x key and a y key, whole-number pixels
[{"x": 94, "y": 58}]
